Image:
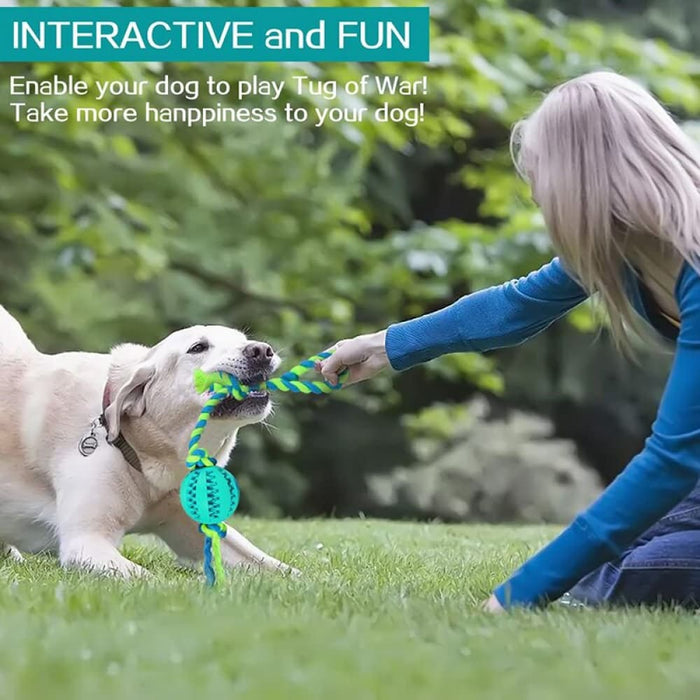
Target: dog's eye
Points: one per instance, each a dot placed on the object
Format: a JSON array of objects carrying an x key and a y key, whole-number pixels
[{"x": 198, "y": 348}]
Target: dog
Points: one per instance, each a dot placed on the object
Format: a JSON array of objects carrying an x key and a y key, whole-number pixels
[{"x": 74, "y": 485}]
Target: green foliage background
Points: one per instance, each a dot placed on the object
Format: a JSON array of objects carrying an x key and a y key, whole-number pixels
[{"x": 304, "y": 236}]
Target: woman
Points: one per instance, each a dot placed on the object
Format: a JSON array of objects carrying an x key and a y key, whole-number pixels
[{"x": 618, "y": 183}]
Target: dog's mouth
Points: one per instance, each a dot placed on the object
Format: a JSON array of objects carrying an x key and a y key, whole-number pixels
[{"x": 254, "y": 404}]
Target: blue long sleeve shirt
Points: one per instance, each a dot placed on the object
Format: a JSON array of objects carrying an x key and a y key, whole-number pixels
[{"x": 655, "y": 481}]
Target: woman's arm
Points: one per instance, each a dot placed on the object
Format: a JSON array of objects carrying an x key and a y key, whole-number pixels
[
  {"x": 654, "y": 481},
  {"x": 496, "y": 317},
  {"x": 491, "y": 318}
]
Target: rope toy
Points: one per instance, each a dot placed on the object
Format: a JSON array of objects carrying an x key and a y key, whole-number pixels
[{"x": 210, "y": 495}]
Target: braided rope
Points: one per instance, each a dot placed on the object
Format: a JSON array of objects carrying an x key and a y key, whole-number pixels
[
  {"x": 221, "y": 386},
  {"x": 196, "y": 456},
  {"x": 219, "y": 382},
  {"x": 213, "y": 564}
]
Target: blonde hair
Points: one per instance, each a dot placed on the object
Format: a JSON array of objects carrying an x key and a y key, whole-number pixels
[{"x": 612, "y": 173}]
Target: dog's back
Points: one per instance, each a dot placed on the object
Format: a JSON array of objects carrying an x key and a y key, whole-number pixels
[
  {"x": 13, "y": 340},
  {"x": 16, "y": 354}
]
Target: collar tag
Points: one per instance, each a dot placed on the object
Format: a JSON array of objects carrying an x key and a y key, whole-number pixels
[{"x": 89, "y": 442}]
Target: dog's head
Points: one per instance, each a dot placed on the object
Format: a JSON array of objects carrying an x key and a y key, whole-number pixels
[{"x": 152, "y": 389}]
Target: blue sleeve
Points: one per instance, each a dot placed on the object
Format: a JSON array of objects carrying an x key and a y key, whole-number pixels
[
  {"x": 496, "y": 317},
  {"x": 653, "y": 483}
]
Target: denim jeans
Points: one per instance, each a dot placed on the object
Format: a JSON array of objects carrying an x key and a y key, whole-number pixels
[{"x": 661, "y": 568}]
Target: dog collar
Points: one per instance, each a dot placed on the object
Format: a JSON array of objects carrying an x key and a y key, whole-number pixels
[
  {"x": 120, "y": 442},
  {"x": 128, "y": 452}
]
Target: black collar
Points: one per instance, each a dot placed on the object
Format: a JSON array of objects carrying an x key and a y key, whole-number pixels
[{"x": 128, "y": 452}]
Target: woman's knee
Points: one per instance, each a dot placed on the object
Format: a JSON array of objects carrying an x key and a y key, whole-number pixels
[{"x": 663, "y": 571}]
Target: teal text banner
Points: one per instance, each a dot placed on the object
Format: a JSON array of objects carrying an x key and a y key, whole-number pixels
[{"x": 215, "y": 34}]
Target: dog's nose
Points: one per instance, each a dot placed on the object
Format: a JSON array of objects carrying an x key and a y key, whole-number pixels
[{"x": 260, "y": 352}]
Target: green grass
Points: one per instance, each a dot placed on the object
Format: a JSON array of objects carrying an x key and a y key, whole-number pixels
[{"x": 384, "y": 610}]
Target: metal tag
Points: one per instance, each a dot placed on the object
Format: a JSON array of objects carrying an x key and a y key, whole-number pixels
[{"x": 89, "y": 443}]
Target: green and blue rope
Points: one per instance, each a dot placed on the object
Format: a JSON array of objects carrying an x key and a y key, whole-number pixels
[
  {"x": 289, "y": 382},
  {"x": 210, "y": 496}
]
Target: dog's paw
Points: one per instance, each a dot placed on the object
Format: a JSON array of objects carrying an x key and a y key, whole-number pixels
[
  {"x": 7, "y": 551},
  {"x": 101, "y": 558},
  {"x": 114, "y": 567},
  {"x": 127, "y": 569},
  {"x": 289, "y": 571}
]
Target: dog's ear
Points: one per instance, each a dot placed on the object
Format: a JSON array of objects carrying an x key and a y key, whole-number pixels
[{"x": 130, "y": 398}]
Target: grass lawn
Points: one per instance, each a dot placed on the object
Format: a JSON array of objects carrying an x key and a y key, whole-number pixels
[{"x": 384, "y": 610}]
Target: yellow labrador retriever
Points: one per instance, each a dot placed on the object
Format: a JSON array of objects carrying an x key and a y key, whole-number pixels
[{"x": 74, "y": 485}]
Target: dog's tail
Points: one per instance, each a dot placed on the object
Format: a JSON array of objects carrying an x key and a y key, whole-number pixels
[{"x": 13, "y": 340}]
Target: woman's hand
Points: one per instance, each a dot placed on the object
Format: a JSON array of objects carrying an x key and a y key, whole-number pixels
[
  {"x": 492, "y": 605},
  {"x": 364, "y": 356}
]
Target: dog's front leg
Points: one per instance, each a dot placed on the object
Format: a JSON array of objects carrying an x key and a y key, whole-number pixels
[
  {"x": 96, "y": 500},
  {"x": 182, "y": 535}
]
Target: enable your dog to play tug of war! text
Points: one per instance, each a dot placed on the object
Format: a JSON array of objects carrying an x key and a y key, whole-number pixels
[{"x": 28, "y": 103}]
